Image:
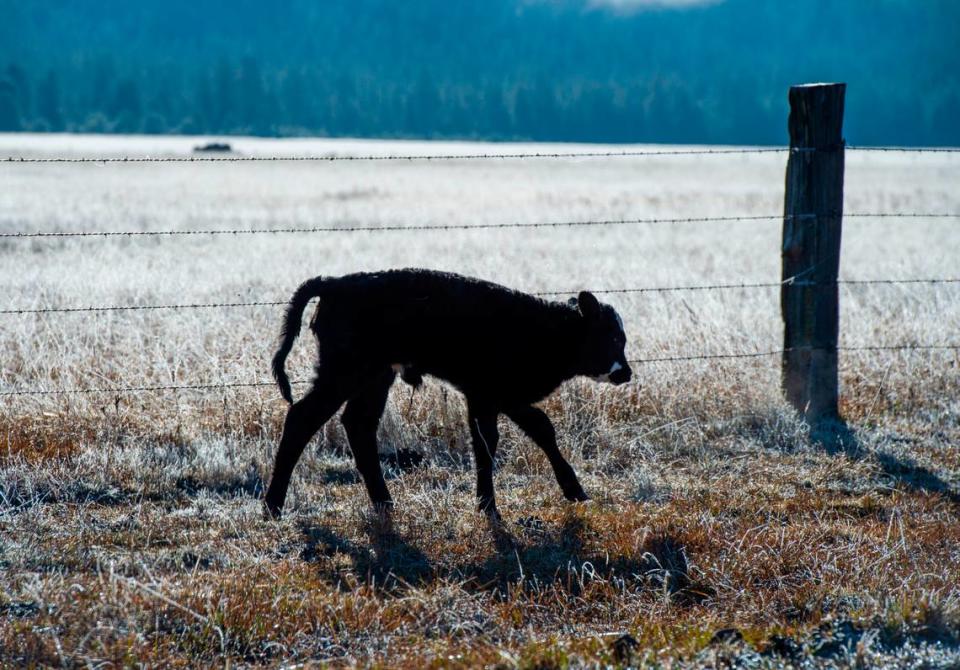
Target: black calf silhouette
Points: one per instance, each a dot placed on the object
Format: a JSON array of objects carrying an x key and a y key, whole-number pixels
[{"x": 505, "y": 351}]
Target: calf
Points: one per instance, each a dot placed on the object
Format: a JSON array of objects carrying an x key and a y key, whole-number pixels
[{"x": 505, "y": 351}]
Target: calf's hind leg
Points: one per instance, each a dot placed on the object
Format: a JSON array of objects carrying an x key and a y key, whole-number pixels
[
  {"x": 304, "y": 418},
  {"x": 360, "y": 419},
  {"x": 538, "y": 427},
  {"x": 483, "y": 430}
]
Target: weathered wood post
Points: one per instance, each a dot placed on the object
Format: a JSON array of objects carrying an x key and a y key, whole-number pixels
[{"x": 812, "y": 222}]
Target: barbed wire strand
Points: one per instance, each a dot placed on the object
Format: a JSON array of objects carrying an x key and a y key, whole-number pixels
[
  {"x": 909, "y": 150},
  {"x": 747, "y": 285},
  {"x": 464, "y": 226},
  {"x": 638, "y": 361},
  {"x": 396, "y": 228},
  {"x": 332, "y": 157},
  {"x": 134, "y": 308},
  {"x": 603, "y": 291},
  {"x": 777, "y": 352},
  {"x": 896, "y": 215},
  {"x": 143, "y": 389}
]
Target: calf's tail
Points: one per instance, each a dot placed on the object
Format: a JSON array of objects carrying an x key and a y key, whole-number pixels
[{"x": 291, "y": 329}]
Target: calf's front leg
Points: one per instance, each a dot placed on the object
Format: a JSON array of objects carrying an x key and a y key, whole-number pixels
[{"x": 538, "y": 427}]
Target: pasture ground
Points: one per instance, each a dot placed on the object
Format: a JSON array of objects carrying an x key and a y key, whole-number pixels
[{"x": 130, "y": 527}]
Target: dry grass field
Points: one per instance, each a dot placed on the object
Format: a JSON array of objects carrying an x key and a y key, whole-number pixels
[{"x": 131, "y": 532}]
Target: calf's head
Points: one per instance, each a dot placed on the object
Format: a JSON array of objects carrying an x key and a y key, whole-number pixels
[{"x": 602, "y": 350}]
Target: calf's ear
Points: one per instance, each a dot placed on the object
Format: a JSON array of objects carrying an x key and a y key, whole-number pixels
[{"x": 588, "y": 303}]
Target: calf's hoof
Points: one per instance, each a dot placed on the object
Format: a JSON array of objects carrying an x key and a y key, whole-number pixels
[
  {"x": 576, "y": 495},
  {"x": 489, "y": 508},
  {"x": 272, "y": 510}
]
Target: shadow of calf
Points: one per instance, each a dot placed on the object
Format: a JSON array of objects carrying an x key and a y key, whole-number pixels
[
  {"x": 387, "y": 560},
  {"x": 555, "y": 556},
  {"x": 562, "y": 556}
]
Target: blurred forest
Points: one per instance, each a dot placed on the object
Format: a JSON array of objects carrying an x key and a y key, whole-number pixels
[{"x": 569, "y": 70}]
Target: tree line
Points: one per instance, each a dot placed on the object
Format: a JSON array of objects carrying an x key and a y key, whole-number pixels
[
  {"x": 240, "y": 98},
  {"x": 504, "y": 69}
]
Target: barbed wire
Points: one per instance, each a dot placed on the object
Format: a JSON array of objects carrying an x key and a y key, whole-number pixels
[
  {"x": 704, "y": 357},
  {"x": 636, "y": 361},
  {"x": 332, "y": 157},
  {"x": 894, "y": 215},
  {"x": 134, "y": 308},
  {"x": 945, "y": 280},
  {"x": 916, "y": 150},
  {"x": 894, "y": 347},
  {"x": 466, "y": 226},
  {"x": 778, "y": 352},
  {"x": 443, "y": 227},
  {"x": 143, "y": 389},
  {"x": 746, "y": 285},
  {"x": 602, "y": 291},
  {"x": 399, "y": 228}
]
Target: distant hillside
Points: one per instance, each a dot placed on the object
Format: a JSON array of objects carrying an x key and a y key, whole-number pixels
[{"x": 501, "y": 69}]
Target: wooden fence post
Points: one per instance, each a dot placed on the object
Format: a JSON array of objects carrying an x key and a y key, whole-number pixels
[{"x": 812, "y": 223}]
